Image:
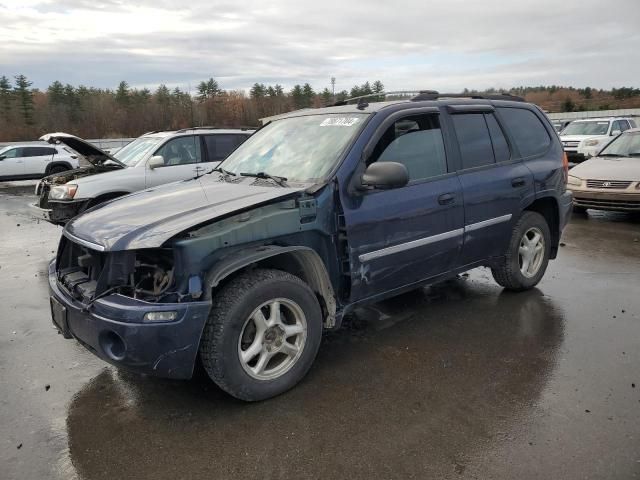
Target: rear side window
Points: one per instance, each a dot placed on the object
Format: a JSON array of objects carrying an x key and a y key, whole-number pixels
[
  {"x": 416, "y": 142},
  {"x": 36, "y": 151},
  {"x": 474, "y": 140},
  {"x": 220, "y": 146},
  {"x": 527, "y": 131}
]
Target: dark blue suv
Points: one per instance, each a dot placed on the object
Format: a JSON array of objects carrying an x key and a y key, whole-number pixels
[{"x": 318, "y": 212}]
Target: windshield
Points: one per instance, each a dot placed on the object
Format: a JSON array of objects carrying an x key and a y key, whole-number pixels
[
  {"x": 302, "y": 149},
  {"x": 131, "y": 153},
  {"x": 586, "y": 128},
  {"x": 626, "y": 145}
]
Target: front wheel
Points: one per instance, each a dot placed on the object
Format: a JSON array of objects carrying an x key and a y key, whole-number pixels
[
  {"x": 527, "y": 257},
  {"x": 262, "y": 335}
]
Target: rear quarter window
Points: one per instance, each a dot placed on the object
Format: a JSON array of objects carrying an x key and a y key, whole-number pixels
[{"x": 527, "y": 131}]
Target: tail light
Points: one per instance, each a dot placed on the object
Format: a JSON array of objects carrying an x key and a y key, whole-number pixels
[{"x": 565, "y": 167}]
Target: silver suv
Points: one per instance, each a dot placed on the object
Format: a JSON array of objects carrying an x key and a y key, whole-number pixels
[{"x": 153, "y": 159}]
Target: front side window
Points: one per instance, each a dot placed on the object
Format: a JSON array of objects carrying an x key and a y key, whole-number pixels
[
  {"x": 180, "y": 151},
  {"x": 416, "y": 142},
  {"x": 474, "y": 141},
  {"x": 527, "y": 131},
  {"x": 303, "y": 149},
  {"x": 12, "y": 153}
]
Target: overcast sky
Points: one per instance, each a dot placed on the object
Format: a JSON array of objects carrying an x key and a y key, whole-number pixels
[{"x": 443, "y": 45}]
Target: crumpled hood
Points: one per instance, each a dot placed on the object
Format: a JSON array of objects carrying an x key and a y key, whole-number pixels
[
  {"x": 608, "y": 168},
  {"x": 149, "y": 218},
  {"x": 92, "y": 153}
]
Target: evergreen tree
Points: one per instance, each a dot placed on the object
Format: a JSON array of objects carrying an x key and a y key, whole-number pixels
[
  {"x": 55, "y": 93},
  {"x": 24, "y": 97},
  {"x": 297, "y": 96},
  {"x": 5, "y": 97},
  {"x": 122, "y": 94}
]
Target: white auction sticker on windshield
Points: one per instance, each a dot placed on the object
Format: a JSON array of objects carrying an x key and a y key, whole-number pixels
[{"x": 339, "y": 122}]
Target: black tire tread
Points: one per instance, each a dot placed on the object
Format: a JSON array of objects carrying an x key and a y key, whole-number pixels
[
  {"x": 503, "y": 274},
  {"x": 224, "y": 301}
]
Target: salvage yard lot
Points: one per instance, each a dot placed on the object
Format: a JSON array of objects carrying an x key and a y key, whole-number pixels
[{"x": 457, "y": 380}]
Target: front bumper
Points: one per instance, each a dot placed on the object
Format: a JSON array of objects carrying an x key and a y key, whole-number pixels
[
  {"x": 606, "y": 200},
  {"x": 112, "y": 328},
  {"x": 61, "y": 211}
]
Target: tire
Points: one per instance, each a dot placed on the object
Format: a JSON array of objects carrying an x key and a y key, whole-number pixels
[
  {"x": 511, "y": 272},
  {"x": 57, "y": 169},
  {"x": 232, "y": 332}
]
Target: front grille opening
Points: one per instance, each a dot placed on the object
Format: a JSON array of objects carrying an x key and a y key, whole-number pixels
[
  {"x": 78, "y": 269},
  {"x": 606, "y": 184}
]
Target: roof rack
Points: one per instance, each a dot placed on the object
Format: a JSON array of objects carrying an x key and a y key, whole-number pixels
[
  {"x": 420, "y": 95},
  {"x": 183, "y": 130}
]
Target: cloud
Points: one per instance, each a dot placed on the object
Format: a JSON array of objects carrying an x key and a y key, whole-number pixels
[{"x": 447, "y": 45}]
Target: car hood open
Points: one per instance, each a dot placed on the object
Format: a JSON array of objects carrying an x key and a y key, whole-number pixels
[
  {"x": 608, "y": 168},
  {"x": 149, "y": 218},
  {"x": 92, "y": 153}
]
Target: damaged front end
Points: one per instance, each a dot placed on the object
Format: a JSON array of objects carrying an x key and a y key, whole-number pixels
[
  {"x": 59, "y": 210},
  {"x": 123, "y": 306}
]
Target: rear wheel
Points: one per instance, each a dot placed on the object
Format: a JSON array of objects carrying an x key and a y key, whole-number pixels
[
  {"x": 527, "y": 257},
  {"x": 262, "y": 335}
]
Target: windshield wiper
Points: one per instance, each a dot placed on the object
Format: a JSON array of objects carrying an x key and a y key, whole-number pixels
[
  {"x": 282, "y": 181},
  {"x": 609, "y": 155},
  {"x": 633, "y": 154},
  {"x": 222, "y": 170}
]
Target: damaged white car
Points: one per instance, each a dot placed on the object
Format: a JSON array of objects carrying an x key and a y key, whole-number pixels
[{"x": 153, "y": 159}]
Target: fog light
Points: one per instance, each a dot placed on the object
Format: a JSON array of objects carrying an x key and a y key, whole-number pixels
[{"x": 160, "y": 316}]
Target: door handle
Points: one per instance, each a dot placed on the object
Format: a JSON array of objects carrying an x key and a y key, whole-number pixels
[
  {"x": 446, "y": 198},
  {"x": 518, "y": 182}
]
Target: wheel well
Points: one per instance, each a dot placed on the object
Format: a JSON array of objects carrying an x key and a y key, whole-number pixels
[
  {"x": 548, "y": 208},
  {"x": 50, "y": 167},
  {"x": 306, "y": 265}
]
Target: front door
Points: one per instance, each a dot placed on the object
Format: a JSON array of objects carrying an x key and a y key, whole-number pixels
[
  {"x": 402, "y": 236},
  {"x": 181, "y": 155},
  {"x": 12, "y": 163}
]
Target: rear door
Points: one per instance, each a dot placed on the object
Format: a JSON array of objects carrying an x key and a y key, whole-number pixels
[
  {"x": 218, "y": 147},
  {"x": 182, "y": 156},
  {"x": 12, "y": 163},
  {"x": 494, "y": 184},
  {"x": 402, "y": 236},
  {"x": 36, "y": 159}
]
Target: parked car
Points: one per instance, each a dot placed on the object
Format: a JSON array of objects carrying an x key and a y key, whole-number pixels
[
  {"x": 560, "y": 125},
  {"x": 610, "y": 181},
  {"x": 585, "y": 138},
  {"x": 150, "y": 160},
  {"x": 317, "y": 213},
  {"x": 32, "y": 161}
]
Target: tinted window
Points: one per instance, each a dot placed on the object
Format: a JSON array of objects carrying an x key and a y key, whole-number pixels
[
  {"x": 180, "y": 151},
  {"x": 473, "y": 139},
  {"x": 13, "y": 153},
  {"x": 620, "y": 125},
  {"x": 527, "y": 131},
  {"x": 416, "y": 142},
  {"x": 36, "y": 151},
  {"x": 500, "y": 146},
  {"x": 220, "y": 146}
]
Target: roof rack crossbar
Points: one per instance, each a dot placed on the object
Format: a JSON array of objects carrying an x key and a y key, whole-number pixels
[{"x": 421, "y": 95}]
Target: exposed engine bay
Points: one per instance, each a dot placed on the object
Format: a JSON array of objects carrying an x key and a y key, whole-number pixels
[
  {"x": 43, "y": 187},
  {"x": 143, "y": 274}
]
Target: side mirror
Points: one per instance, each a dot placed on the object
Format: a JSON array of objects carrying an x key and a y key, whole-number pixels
[
  {"x": 2, "y": 157},
  {"x": 385, "y": 175},
  {"x": 156, "y": 161},
  {"x": 615, "y": 133}
]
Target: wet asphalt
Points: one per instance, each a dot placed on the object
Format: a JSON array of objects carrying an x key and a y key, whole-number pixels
[{"x": 459, "y": 380}]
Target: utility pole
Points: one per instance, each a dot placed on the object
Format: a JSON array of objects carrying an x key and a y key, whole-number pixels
[{"x": 333, "y": 88}]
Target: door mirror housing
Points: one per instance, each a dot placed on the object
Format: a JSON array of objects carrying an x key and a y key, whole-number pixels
[
  {"x": 615, "y": 133},
  {"x": 156, "y": 161},
  {"x": 385, "y": 176}
]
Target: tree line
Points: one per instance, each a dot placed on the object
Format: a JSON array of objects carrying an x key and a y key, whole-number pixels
[{"x": 26, "y": 113}]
